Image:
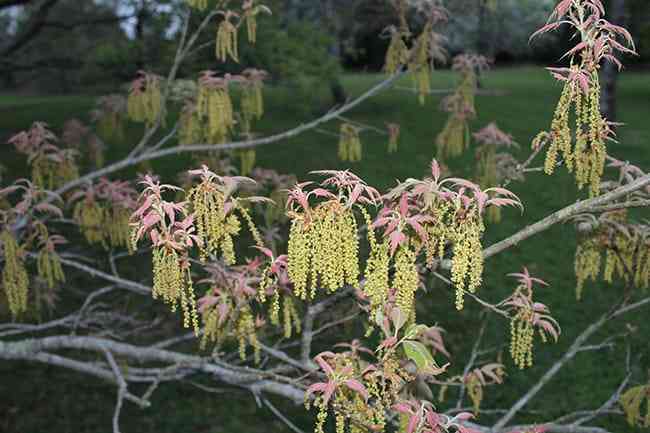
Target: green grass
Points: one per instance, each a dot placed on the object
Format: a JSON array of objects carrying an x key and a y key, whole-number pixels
[{"x": 39, "y": 398}]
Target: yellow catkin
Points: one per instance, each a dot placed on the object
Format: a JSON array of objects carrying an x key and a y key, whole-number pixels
[
  {"x": 226, "y": 45},
  {"x": 286, "y": 318},
  {"x": 117, "y": 228},
  {"x": 467, "y": 260},
  {"x": 110, "y": 126},
  {"x": 455, "y": 137},
  {"x": 324, "y": 252},
  {"x": 521, "y": 339},
  {"x": 14, "y": 275},
  {"x": 587, "y": 263},
  {"x": 475, "y": 392},
  {"x": 397, "y": 53},
  {"x": 214, "y": 107},
  {"x": 377, "y": 268},
  {"x": 253, "y": 100},
  {"x": 321, "y": 417},
  {"x": 633, "y": 402},
  {"x": 487, "y": 177},
  {"x": 642, "y": 268},
  {"x": 247, "y": 159},
  {"x": 91, "y": 219},
  {"x": 211, "y": 329},
  {"x": 49, "y": 174},
  {"x": 49, "y": 267},
  {"x": 246, "y": 334},
  {"x": 299, "y": 257},
  {"x": 173, "y": 283},
  {"x": 420, "y": 65},
  {"x": 251, "y": 27},
  {"x": 190, "y": 128},
  {"x": 405, "y": 280},
  {"x": 214, "y": 226},
  {"x": 144, "y": 103},
  {"x": 350, "y": 148},
  {"x": 582, "y": 148},
  {"x": 340, "y": 423}
]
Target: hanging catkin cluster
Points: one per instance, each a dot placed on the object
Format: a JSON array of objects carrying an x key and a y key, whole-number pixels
[
  {"x": 245, "y": 332},
  {"x": 49, "y": 267},
  {"x": 226, "y": 45},
  {"x": 405, "y": 280},
  {"x": 587, "y": 263},
  {"x": 377, "y": 269},
  {"x": 51, "y": 166},
  {"x": 582, "y": 145},
  {"x": 420, "y": 64},
  {"x": 521, "y": 338},
  {"x": 170, "y": 228},
  {"x": 247, "y": 159},
  {"x": 252, "y": 102},
  {"x": 14, "y": 275},
  {"x": 323, "y": 240},
  {"x": 172, "y": 281},
  {"x": 103, "y": 212},
  {"x": 250, "y": 12},
  {"x": 467, "y": 259},
  {"x": 323, "y": 249},
  {"x": 461, "y": 229},
  {"x": 527, "y": 314},
  {"x": 145, "y": 99},
  {"x": 90, "y": 216},
  {"x": 349, "y": 401},
  {"x": 48, "y": 262},
  {"x": 274, "y": 282},
  {"x": 350, "y": 148},
  {"x": 54, "y": 168},
  {"x": 214, "y": 213},
  {"x": 474, "y": 391},
  {"x": 430, "y": 216},
  {"x": 108, "y": 115},
  {"x": 455, "y": 137},
  {"x": 397, "y": 54},
  {"x": 214, "y": 107},
  {"x": 634, "y": 401},
  {"x": 290, "y": 317},
  {"x": 227, "y": 308},
  {"x": 190, "y": 126},
  {"x": 215, "y": 224},
  {"x": 617, "y": 248}
]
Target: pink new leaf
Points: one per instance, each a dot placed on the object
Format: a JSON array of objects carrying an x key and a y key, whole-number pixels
[{"x": 357, "y": 386}]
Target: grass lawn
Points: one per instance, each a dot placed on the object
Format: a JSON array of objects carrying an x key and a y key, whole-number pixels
[{"x": 525, "y": 107}]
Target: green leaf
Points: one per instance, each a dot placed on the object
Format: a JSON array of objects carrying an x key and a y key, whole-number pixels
[
  {"x": 418, "y": 353},
  {"x": 413, "y": 330}
]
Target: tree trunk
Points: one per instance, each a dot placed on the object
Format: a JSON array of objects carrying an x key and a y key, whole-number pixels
[
  {"x": 336, "y": 87},
  {"x": 609, "y": 71},
  {"x": 141, "y": 18}
]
